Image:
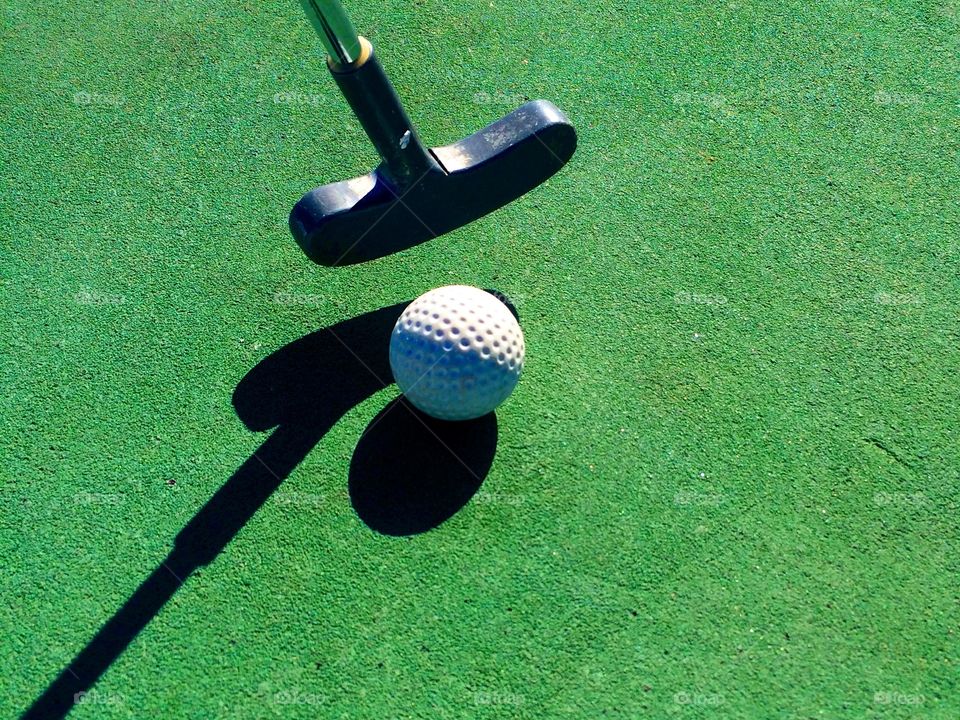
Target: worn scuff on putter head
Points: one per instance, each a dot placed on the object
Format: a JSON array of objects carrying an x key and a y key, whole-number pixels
[{"x": 416, "y": 193}]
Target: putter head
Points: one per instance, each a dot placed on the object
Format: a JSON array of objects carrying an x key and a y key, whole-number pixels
[{"x": 372, "y": 216}]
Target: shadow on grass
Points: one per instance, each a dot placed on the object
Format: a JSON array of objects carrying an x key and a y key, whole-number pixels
[
  {"x": 411, "y": 472},
  {"x": 300, "y": 392}
]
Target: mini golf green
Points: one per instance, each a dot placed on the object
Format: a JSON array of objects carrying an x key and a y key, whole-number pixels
[{"x": 726, "y": 485}]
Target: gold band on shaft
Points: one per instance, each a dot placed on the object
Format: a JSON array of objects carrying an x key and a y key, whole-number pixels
[{"x": 366, "y": 52}]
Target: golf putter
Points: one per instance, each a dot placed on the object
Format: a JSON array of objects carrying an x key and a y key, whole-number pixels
[{"x": 416, "y": 193}]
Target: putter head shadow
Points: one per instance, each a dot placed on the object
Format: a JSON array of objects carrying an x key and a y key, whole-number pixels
[{"x": 370, "y": 216}]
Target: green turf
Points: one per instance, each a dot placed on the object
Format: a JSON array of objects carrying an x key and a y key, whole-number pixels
[{"x": 727, "y": 484}]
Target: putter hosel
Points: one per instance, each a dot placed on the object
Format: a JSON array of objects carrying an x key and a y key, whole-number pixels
[{"x": 378, "y": 108}]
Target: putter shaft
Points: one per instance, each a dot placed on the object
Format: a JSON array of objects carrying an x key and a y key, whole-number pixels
[
  {"x": 370, "y": 93},
  {"x": 336, "y": 31}
]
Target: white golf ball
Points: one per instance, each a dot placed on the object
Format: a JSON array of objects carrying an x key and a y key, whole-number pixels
[{"x": 456, "y": 352}]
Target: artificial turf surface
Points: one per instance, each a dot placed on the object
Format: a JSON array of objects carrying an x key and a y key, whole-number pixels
[{"x": 726, "y": 486}]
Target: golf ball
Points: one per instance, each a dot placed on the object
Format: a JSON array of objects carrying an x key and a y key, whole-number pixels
[{"x": 456, "y": 352}]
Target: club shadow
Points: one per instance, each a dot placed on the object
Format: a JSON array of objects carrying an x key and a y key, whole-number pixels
[
  {"x": 411, "y": 472},
  {"x": 300, "y": 391}
]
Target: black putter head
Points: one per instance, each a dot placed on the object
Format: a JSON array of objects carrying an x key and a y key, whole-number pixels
[
  {"x": 371, "y": 216},
  {"x": 416, "y": 194}
]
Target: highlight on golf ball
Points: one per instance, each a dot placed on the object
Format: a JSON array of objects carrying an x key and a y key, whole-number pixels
[{"x": 457, "y": 352}]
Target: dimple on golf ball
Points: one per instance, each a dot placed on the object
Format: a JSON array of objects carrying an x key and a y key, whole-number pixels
[{"x": 456, "y": 352}]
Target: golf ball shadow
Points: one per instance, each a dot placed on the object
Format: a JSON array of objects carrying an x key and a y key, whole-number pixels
[{"x": 411, "y": 472}]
